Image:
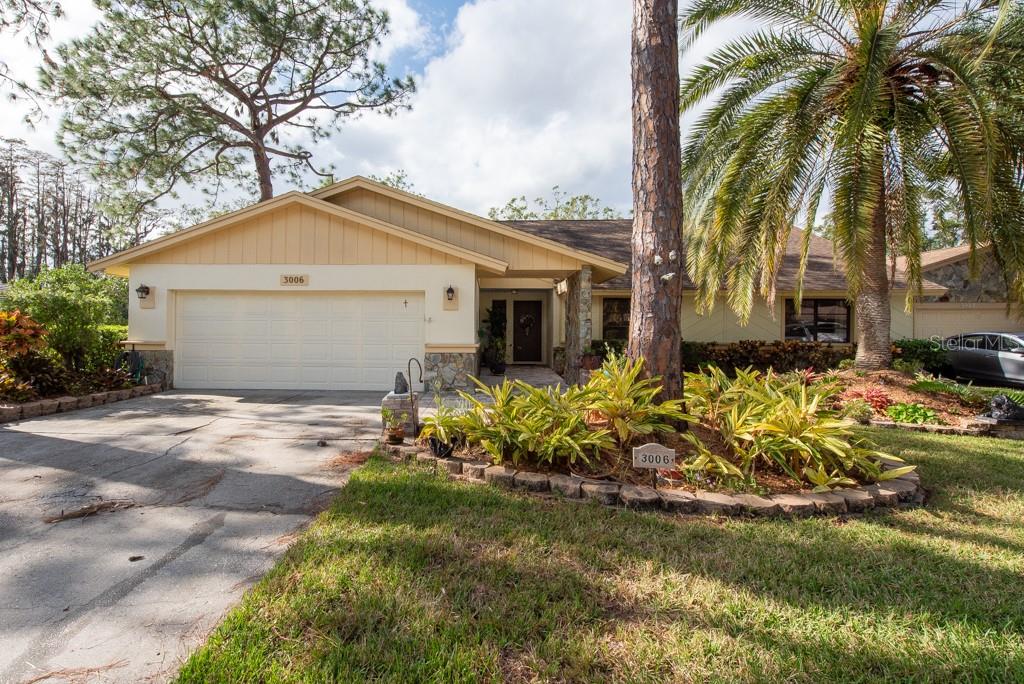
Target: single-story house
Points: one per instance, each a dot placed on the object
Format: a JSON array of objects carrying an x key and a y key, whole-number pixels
[{"x": 338, "y": 288}]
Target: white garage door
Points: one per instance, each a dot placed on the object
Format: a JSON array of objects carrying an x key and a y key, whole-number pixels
[
  {"x": 296, "y": 341},
  {"x": 946, "y": 320}
]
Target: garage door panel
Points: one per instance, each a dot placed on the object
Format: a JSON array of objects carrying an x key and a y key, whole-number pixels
[
  {"x": 375, "y": 330},
  {"x": 296, "y": 340},
  {"x": 404, "y": 330},
  {"x": 406, "y": 351},
  {"x": 285, "y": 328},
  {"x": 250, "y": 352}
]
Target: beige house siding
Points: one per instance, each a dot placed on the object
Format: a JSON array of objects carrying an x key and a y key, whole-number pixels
[
  {"x": 298, "y": 234},
  {"x": 522, "y": 257},
  {"x": 944, "y": 319}
]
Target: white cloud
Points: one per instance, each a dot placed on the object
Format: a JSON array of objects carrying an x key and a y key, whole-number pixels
[
  {"x": 528, "y": 94},
  {"x": 521, "y": 95}
]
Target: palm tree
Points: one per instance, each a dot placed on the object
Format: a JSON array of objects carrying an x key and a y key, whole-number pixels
[{"x": 865, "y": 105}]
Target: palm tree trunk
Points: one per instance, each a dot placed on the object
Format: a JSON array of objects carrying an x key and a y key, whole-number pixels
[
  {"x": 657, "y": 194},
  {"x": 873, "y": 308}
]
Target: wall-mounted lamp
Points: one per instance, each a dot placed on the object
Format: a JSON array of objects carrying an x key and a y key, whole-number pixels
[
  {"x": 451, "y": 299},
  {"x": 146, "y": 298}
]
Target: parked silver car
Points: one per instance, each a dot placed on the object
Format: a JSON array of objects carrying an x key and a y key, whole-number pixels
[{"x": 990, "y": 356}]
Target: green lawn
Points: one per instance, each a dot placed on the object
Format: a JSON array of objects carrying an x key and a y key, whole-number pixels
[{"x": 409, "y": 577}]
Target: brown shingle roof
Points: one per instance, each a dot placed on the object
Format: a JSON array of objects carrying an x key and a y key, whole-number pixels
[{"x": 610, "y": 238}]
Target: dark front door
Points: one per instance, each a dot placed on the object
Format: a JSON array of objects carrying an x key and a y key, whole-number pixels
[{"x": 526, "y": 337}]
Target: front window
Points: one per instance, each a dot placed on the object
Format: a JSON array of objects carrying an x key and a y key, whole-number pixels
[
  {"x": 818, "y": 320},
  {"x": 615, "y": 318}
]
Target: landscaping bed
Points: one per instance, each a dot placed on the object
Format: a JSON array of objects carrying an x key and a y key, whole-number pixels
[
  {"x": 754, "y": 435},
  {"x": 45, "y": 407},
  {"x": 933, "y": 403}
]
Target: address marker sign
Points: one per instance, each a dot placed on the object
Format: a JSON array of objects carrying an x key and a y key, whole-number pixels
[{"x": 654, "y": 456}]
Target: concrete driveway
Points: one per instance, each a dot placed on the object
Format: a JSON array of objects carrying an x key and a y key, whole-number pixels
[{"x": 204, "y": 492}]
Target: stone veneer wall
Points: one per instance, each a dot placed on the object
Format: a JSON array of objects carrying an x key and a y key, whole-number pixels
[
  {"x": 453, "y": 369},
  {"x": 162, "y": 361},
  {"x": 578, "y": 326},
  {"x": 988, "y": 286}
]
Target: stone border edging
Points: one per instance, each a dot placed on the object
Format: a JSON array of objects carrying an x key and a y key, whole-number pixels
[
  {"x": 46, "y": 407},
  {"x": 974, "y": 429},
  {"x": 904, "y": 490}
]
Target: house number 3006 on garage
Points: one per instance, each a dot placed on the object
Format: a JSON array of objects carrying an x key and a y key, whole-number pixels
[{"x": 294, "y": 280}]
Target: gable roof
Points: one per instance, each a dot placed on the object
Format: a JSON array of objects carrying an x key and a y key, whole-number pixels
[
  {"x": 115, "y": 264},
  {"x": 609, "y": 267},
  {"x": 613, "y": 237}
]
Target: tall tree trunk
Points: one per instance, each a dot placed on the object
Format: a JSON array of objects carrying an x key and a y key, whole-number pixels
[
  {"x": 263, "y": 173},
  {"x": 872, "y": 308},
  {"x": 657, "y": 194}
]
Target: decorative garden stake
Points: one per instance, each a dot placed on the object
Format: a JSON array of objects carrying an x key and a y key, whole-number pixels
[{"x": 654, "y": 456}]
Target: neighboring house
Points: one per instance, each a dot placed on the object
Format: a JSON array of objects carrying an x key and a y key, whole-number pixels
[
  {"x": 970, "y": 302},
  {"x": 340, "y": 287}
]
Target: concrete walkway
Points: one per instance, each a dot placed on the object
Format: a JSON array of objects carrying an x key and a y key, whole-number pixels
[{"x": 205, "y": 491}]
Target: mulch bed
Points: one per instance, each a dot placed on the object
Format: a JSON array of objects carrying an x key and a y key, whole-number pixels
[{"x": 897, "y": 386}]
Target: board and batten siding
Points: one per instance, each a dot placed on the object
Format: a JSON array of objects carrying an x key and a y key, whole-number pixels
[
  {"x": 521, "y": 256},
  {"x": 301, "y": 235}
]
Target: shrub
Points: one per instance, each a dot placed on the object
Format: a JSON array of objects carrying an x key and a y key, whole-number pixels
[
  {"x": 769, "y": 421},
  {"x": 876, "y": 396},
  {"x": 911, "y": 366},
  {"x": 607, "y": 348},
  {"x": 14, "y": 390},
  {"x": 521, "y": 423},
  {"x": 912, "y": 413},
  {"x": 965, "y": 394},
  {"x": 857, "y": 410},
  {"x": 928, "y": 353},
  {"x": 518, "y": 422},
  {"x": 19, "y": 334},
  {"x": 446, "y": 426},
  {"x": 781, "y": 356},
  {"x": 628, "y": 403},
  {"x": 44, "y": 371},
  {"x": 102, "y": 380},
  {"x": 105, "y": 352},
  {"x": 71, "y": 304}
]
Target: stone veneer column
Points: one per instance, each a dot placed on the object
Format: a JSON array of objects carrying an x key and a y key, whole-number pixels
[
  {"x": 453, "y": 369},
  {"x": 578, "y": 325},
  {"x": 161, "y": 361}
]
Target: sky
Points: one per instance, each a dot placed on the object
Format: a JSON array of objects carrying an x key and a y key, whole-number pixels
[{"x": 513, "y": 97}]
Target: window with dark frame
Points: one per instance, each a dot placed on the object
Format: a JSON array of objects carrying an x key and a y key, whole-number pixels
[
  {"x": 818, "y": 320},
  {"x": 615, "y": 318}
]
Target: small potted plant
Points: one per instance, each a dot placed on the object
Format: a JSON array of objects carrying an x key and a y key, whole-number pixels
[
  {"x": 394, "y": 426},
  {"x": 441, "y": 432},
  {"x": 591, "y": 359},
  {"x": 497, "y": 356}
]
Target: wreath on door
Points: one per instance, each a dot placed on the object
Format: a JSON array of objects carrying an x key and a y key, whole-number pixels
[{"x": 526, "y": 322}]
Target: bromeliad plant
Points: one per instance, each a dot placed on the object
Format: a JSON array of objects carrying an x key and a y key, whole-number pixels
[{"x": 767, "y": 421}]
